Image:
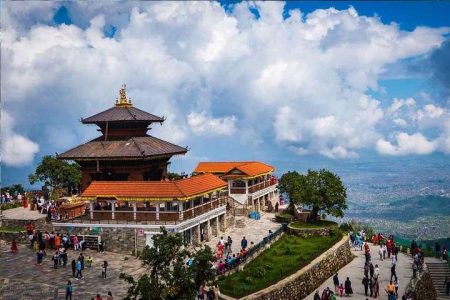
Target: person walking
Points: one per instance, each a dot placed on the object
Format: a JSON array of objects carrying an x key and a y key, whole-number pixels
[
  {"x": 437, "y": 249},
  {"x": 371, "y": 287},
  {"x": 244, "y": 243},
  {"x": 78, "y": 275},
  {"x": 376, "y": 288},
  {"x": 336, "y": 282},
  {"x": 447, "y": 284},
  {"x": 104, "y": 269},
  {"x": 39, "y": 257},
  {"x": 69, "y": 290},
  {"x": 14, "y": 248},
  {"x": 109, "y": 297},
  {"x": 365, "y": 283},
  {"x": 55, "y": 259},
  {"x": 348, "y": 287},
  {"x": 371, "y": 270},
  {"x": 317, "y": 296},
  {"x": 74, "y": 267},
  {"x": 393, "y": 273},
  {"x": 390, "y": 290}
]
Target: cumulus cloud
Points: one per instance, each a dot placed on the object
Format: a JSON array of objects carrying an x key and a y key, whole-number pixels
[
  {"x": 300, "y": 83},
  {"x": 16, "y": 150},
  {"x": 201, "y": 124},
  {"x": 406, "y": 144}
]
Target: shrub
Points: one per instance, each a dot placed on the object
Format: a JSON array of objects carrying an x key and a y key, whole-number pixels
[
  {"x": 346, "y": 227},
  {"x": 283, "y": 218},
  {"x": 335, "y": 231}
]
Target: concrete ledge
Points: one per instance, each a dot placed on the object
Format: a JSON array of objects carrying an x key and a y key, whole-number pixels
[{"x": 300, "y": 284}]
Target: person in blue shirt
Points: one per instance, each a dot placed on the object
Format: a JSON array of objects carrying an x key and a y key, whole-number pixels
[
  {"x": 243, "y": 243},
  {"x": 69, "y": 290}
]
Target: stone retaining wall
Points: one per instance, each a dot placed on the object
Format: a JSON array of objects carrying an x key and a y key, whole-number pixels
[
  {"x": 422, "y": 287},
  {"x": 20, "y": 237},
  {"x": 306, "y": 280},
  {"x": 120, "y": 240},
  {"x": 308, "y": 232},
  {"x": 39, "y": 223}
]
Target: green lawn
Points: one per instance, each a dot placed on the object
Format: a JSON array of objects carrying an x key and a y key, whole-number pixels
[
  {"x": 319, "y": 224},
  {"x": 11, "y": 229},
  {"x": 285, "y": 257}
]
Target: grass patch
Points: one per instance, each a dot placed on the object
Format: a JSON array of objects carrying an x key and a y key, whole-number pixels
[
  {"x": 11, "y": 229},
  {"x": 319, "y": 224},
  {"x": 11, "y": 205},
  {"x": 286, "y": 256}
]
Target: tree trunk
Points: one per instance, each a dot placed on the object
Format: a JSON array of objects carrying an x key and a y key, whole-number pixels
[{"x": 313, "y": 216}]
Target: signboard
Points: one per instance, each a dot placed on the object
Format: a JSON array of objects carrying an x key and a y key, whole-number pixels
[{"x": 140, "y": 232}]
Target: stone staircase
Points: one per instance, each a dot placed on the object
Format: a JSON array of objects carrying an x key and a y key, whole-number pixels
[{"x": 438, "y": 272}]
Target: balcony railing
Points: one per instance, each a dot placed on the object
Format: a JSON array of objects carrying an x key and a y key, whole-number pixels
[
  {"x": 152, "y": 215},
  {"x": 262, "y": 185}
]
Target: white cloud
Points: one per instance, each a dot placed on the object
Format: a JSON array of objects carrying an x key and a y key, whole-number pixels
[
  {"x": 406, "y": 144},
  {"x": 339, "y": 152},
  {"x": 400, "y": 122},
  {"x": 16, "y": 150},
  {"x": 203, "y": 125},
  {"x": 302, "y": 82}
]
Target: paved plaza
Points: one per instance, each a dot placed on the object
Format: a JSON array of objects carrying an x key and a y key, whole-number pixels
[
  {"x": 355, "y": 271},
  {"x": 20, "y": 213},
  {"x": 21, "y": 278},
  {"x": 253, "y": 230}
]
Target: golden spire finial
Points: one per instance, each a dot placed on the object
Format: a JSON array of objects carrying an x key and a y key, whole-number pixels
[{"x": 123, "y": 101}]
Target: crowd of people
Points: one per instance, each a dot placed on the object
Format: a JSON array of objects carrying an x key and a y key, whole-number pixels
[
  {"x": 40, "y": 243},
  {"x": 371, "y": 281}
]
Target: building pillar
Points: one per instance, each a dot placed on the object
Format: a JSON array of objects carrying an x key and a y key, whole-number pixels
[
  {"x": 207, "y": 231},
  {"x": 222, "y": 223},
  {"x": 134, "y": 210},
  {"x": 180, "y": 210},
  {"x": 258, "y": 204},
  {"x": 157, "y": 211},
  {"x": 214, "y": 227},
  {"x": 113, "y": 209},
  {"x": 91, "y": 209},
  {"x": 195, "y": 238},
  {"x": 217, "y": 225},
  {"x": 246, "y": 186}
]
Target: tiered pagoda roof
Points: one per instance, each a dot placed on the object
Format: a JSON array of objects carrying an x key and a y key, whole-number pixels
[
  {"x": 132, "y": 148},
  {"x": 124, "y": 130}
]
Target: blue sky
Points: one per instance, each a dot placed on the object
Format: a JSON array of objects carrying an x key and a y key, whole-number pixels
[{"x": 301, "y": 82}]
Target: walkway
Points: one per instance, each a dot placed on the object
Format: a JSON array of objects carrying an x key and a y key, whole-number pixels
[
  {"x": 253, "y": 230},
  {"x": 20, "y": 213},
  {"x": 355, "y": 271},
  {"x": 19, "y": 273}
]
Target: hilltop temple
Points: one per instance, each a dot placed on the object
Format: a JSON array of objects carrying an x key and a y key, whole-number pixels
[{"x": 124, "y": 151}]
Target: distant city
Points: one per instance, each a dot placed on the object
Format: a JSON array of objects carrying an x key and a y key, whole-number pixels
[{"x": 406, "y": 197}]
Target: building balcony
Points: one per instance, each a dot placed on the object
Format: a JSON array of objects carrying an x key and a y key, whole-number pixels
[
  {"x": 148, "y": 216},
  {"x": 254, "y": 188}
]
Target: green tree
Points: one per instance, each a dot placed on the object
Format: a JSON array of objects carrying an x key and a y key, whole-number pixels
[
  {"x": 168, "y": 276},
  {"x": 56, "y": 174},
  {"x": 14, "y": 189},
  {"x": 322, "y": 190}
]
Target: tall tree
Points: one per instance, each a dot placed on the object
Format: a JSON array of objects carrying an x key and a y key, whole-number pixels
[
  {"x": 325, "y": 192},
  {"x": 322, "y": 190},
  {"x": 168, "y": 276},
  {"x": 56, "y": 174}
]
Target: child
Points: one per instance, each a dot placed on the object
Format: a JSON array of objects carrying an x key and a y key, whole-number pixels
[
  {"x": 14, "y": 248},
  {"x": 89, "y": 261},
  {"x": 341, "y": 290}
]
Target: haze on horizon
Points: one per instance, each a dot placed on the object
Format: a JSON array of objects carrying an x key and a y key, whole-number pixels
[{"x": 316, "y": 84}]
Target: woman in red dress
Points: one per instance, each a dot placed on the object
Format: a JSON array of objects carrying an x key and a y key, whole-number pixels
[{"x": 14, "y": 248}]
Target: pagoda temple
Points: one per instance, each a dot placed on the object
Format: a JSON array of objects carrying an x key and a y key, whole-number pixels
[{"x": 124, "y": 151}]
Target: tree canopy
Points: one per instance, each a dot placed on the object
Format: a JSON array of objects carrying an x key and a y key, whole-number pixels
[
  {"x": 169, "y": 276},
  {"x": 14, "y": 189},
  {"x": 56, "y": 174},
  {"x": 322, "y": 190}
]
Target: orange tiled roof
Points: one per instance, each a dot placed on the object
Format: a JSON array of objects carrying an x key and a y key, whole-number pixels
[
  {"x": 249, "y": 168},
  {"x": 182, "y": 189}
]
